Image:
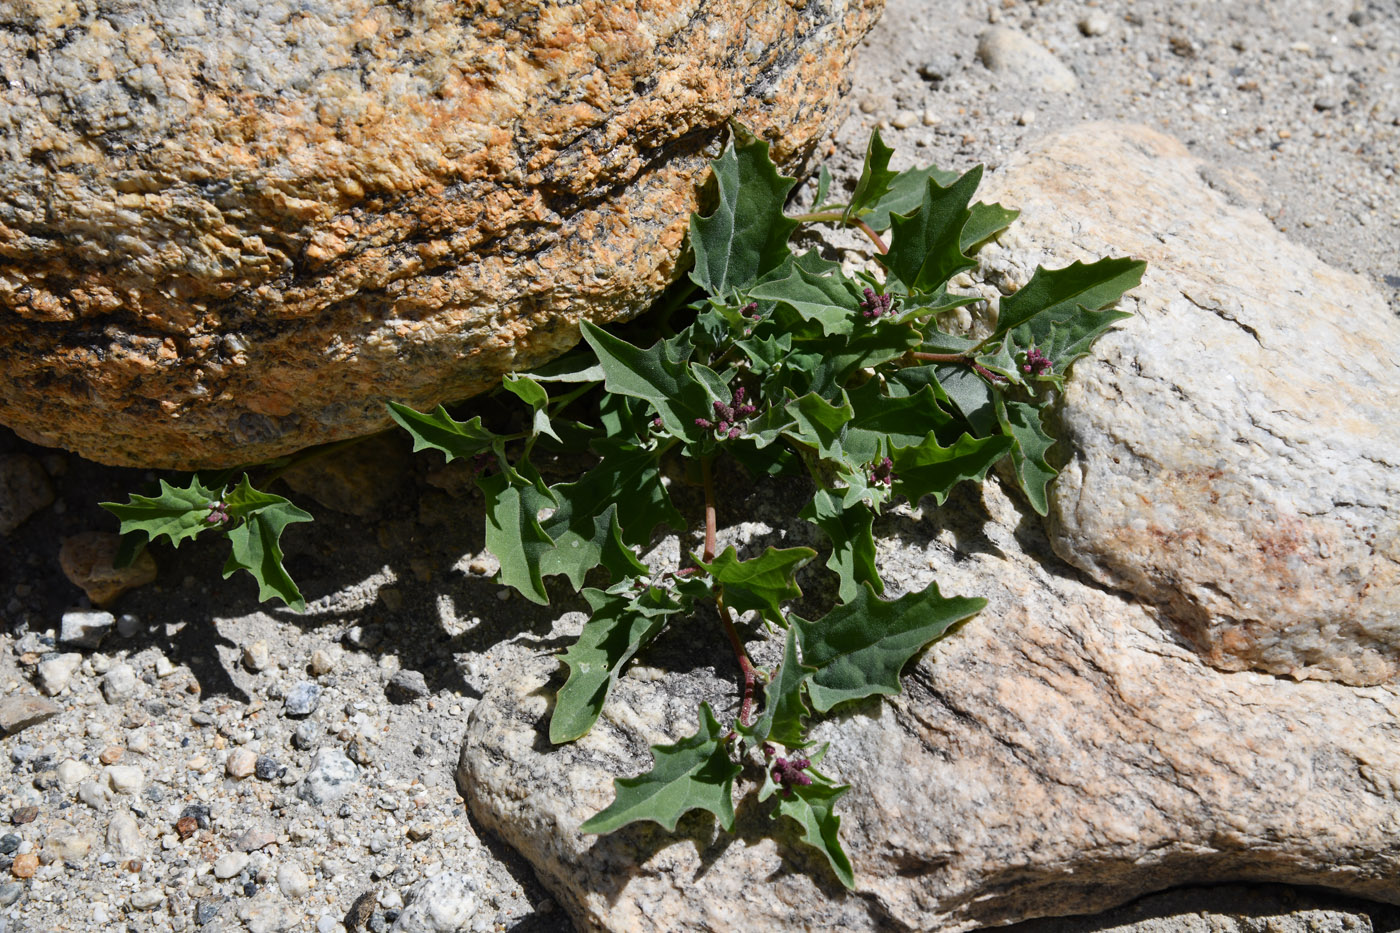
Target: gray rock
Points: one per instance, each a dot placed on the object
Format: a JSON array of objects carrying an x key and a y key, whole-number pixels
[
  {"x": 302, "y": 699},
  {"x": 305, "y": 735},
  {"x": 1017, "y": 56},
  {"x": 445, "y": 903},
  {"x": 124, "y": 836},
  {"x": 24, "y": 489},
  {"x": 406, "y": 686},
  {"x": 85, "y": 629},
  {"x": 128, "y": 625},
  {"x": 1066, "y": 750},
  {"x": 10, "y": 893},
  {"x": 330, "y": 778},
  {"x": 118, "y": 683},
  {"x": 22, "y": 711}
]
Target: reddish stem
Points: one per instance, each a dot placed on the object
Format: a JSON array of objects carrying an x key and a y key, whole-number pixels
[
  {"x": 709, "y": 509},
  {"x": 841, "y": 218},
  {"x": 977, "y": 367},
  {"x": 742, "y": 656}
]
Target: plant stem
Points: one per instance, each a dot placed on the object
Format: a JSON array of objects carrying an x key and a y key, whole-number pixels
[
  {"x": 740, "y": 655},
  {"x": 709, "y": 508},
  {"x": 958, "y": 358},
  {"x": 841, "y": 218}
]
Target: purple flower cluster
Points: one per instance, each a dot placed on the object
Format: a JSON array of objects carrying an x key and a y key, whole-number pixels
[
  {"x": 751, "y": 311},
  {"x": 218, "y": 512},
  {"x": 882, "y": 473},
  {"x": 788, "y": 773},
  {"x": 727, "y": 417},
  {"x": 1037, "y": 363},
  {"x": 876, "y": 305}
]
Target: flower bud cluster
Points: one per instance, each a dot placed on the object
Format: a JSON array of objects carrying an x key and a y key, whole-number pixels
[
  {"x": 218, "y": 512},
  {"x": 789, "y": 773},
  {"x": 882, "y": 473},
  {"x": 876, "y": 305},
  {"x": 727, "y": 417},
  {"x": 1037, "y": 363}
]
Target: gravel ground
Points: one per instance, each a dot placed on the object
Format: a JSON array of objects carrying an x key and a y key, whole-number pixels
[{"x": 172, "y": 791}]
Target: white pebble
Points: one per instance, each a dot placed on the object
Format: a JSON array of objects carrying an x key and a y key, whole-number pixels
[
  {"x": 1026, "y": 118},
  {"x": 322, "y": 662},
  {"x": 1094, "y": 23},
  {"x": 904, "y": 119},
  {"x": 94, "y": 795},
  {"x": 149, "y": 899},
  {"x": 256, "y": 656},
  {"x": 124, "y": 835},
  {"x": 71, "y": 773},
  {"x": 55, "y": 673},
  {"x": 292, "y": 881},
  {"x": 163, "y": 666},
  {"x": 119, "y": 683},
  {"x": 241, "y": 763},
  {"x": 125, "y": 779},
  {"x": 230, "y": 865}
]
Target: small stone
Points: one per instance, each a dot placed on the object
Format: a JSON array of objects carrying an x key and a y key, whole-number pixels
[
  {"x": 904, "y": 119},
  {"x": 267, "y": 768},
  {"x": 1326, "y": 103},
  {"x": 254, "y": 839},
  {"x": 1094, "y": 23},
  {"x": 931, "y": 118},
  {"x": 331, "y": 777},
  {"x": 125, "y": 779},
  {"x": 241, "y": 763},
  {"x": 88, "y": 562},
  {"x": 22, "y": 711},
  {"x": 302, "y": 699},
  {"x": 111, "y": 754},
  {"x": 186, "y": 826},
  {"x": 146, "y": 899},
  {"x": 24, "y": 866},
  {"x": 197, "y": 812},
  {"x": 118, "y": 683},
  {"x": 359, "y": 750},
  {"x": 24, "y": 489},
  {"x": 305, "y": 735},
  {"x": 938, "y": 69},
  {"x": 230, "y": 865},
  {"x": 94, "y": 795},
  {"x": 1017, "y": 55},
  {"x": 85, "y": 628},
  {"x": 128, "y": 625},
  {"x": 9, "y": 843},
  {"x": 405, "y": 687},
  {"x": 55, "y": 673},
  {"x": 479, "y": 567},
  {"x": 71, "y": 773},
  {"x": 65, "y": 845},
  {"x": 292, "y": 880},
  {"x": 21, "y": 815},
  {"x": 124, "y": 835},
  {"x": 870, "y": 104},
  {"x": 266, "y": 917},
  {"x": 1026, "y": 118},
  {"x": 10, "y": 892},
  {"x": 420, "y": 831},
  {"x": 322, "y": 663},
  {"x": 257, "y": 657},
  {"x": 206, "y": 911},
  {"x": 443, "y": 903}
]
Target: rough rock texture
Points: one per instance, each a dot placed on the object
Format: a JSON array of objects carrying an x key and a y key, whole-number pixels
[
  {"x": 87, "y": 560},
  {"x": 1236, "y": 452},
  {"x": 1067, "y": 749},
  {"x": 229, "y": 232},
  {"x": 24, "y": 489}
]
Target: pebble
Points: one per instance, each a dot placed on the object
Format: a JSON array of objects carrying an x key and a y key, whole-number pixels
[
  {"x": 9, "y": 843},
  {"x": 267, "y": 768},
  {"x": 444, "y": 903},
  {"x": 254, "y": 839},
  {"x": 111, "y": 754},
  {"x": 24, "y": 489},
  {"x": 360, "y": 750},
  {"x": 322, "y": 662},
  {"x": 125, "y": 779},
  {"x": 1018, "y": 56},
  {"x": 230, "y": 865},
  {"x": 406, "y": 686},
  {"x": 1094, "y": 23},
  {"x": 118, "y": 683},
  {"x": 931, "y": 118},
  {"x": 904, "y": 119},
  {"x": 197, "y": 812},
  {"x": 302, "y": 699},
  {"x": 305, "y": 735},
  {"x": 10, "y": 892},
  {"x": 292, "y": 881},
  {"x": 66, "y": 844},
  {"x": 85, "y": 629},
  {"x": 330, "y": 778},
  {"x": 241, "y": 763},
  {"x": 124, "y": 835},
  {"x": 265, "y": 917},
  {"x": 147, "y": 899},
  {"x": 22, "y": 711},
  {"x": 205, "y": 911},
  {"x": 88, "y": 561},
  {"x": 24, "y": 865},
  {"x": 1326, "y": 103},
  {"x": 71, "y": 773},
  {"x": 870, "y": 104},
  {"x": 55, "y": 673},
  {"x": 128, "y": 625},
  {"x": 26, "y": 814},
  {"x": 257, "y": 657},
  {"x": 94, "y": 795}
]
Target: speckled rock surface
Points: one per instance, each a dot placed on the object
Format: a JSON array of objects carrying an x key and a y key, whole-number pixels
[
  {"x": 232, "y": 231},
  {"x": 1076, "y": 745},
  {"x": 1234, "y": 449}
]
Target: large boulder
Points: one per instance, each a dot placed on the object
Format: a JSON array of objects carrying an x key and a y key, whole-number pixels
[
  {"x": 229, "y": 231},
  {"x": 1086, "y": 739}
]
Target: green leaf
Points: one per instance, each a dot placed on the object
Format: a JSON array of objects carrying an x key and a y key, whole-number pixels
[
  {"x": 747, "y": 233},
  {"x": 514, "y": 535},
  {"x": 859, "y": 648},
  {"x": 656, "y": 375},
  {"x": 255, "y": 525},
  {"x": 926, "y": 246},
  {"x": 1022, "y": 421},
  {"x": 619, "y": 625},
  {"x": 694, "y": 773},
  {"x": 971, "y": 395},
  {"x": 875, "y": 177},
  {"x": 533, "y": 394},
  {"x": 852, "y": 542},
  {"x": 783, "y": 706},
  {"x": 905, "y": 194},
  {"x": 823, "y": 187},
  {"x": 1065, "y": 337},
  {"x": 984, "y": 222},
  {"x": 831, "y": 300},
  {"x": 176, "y": 513},
  {"x": 928, "y": 469},
  {"x": 762, "y": 583},
  {"x": 1058, "y": 292},
  {"x": 437, "y": 431},
  {"x": 812, "y": 806}
]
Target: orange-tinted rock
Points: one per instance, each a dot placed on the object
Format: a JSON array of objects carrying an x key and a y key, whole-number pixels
[
  {"x": 229, "y": 236},
  {"x": 87, "y": 558}
]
